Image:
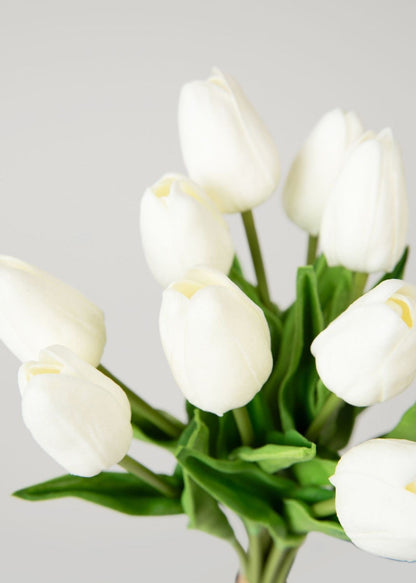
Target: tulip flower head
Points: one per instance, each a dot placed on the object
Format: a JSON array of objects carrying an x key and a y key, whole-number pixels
[
  {"x": 368, "y": 354},
  {"x": 181, "y": 227},
  {"x": 38, "y": 310},
  {"x": 364, "y": 225},
  {"x": 376, "y": 497},
  {"x": 216, "y": 341},
  {"x": 77, "y": 415},
  {"x": 226, "y": 147},
  {"x": 317, "y": 166}
]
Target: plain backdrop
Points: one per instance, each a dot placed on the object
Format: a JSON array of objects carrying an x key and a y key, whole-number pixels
[{"x": 88, "y": 94}]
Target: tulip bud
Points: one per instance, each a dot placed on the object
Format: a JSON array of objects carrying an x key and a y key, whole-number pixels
[
  {"x": 181, "y": 227},
  {"x": 376, "y": 497},
  {"x": 364, "y": 224},
  {"x": 37, "y": 310},
  {"x": 79, "y": 416},
  {"x": 226, "y": 147},
  {"x": 316, "y": 167},
  {"x": 367, "y": 354},
  {"x": 216, "y": 340}
]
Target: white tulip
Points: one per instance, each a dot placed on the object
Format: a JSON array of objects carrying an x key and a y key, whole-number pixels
[
  {"x": 376, "y": 497},
  {"x": 216, "y": 341},
  {"x": 316, "y": 167},
  {"x": 37, "y": 310},
  {"x": 367, "y": 354},
  {"x": 79, "y": 416},
  {"x": 181, "y": 227},
  {"x": 226, "y": 147},
  {"x": 364, "y": 224}
]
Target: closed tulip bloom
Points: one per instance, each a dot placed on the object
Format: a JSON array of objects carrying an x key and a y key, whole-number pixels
[
  {"x": 76, "y": 414},
  {"x": 181, "y": 227},
  {"x": 226, "y": 147},
  {"x": 368, "y": 354},
  {"x": 316, "y": 167},
  {"x": 37, "y": 310},
  {"x": 216, "y": 341},
  {"x": 376, "y": 497},
  {"x": 364, "y": 224}
]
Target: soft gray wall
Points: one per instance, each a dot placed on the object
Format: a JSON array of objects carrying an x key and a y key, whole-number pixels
[{"x": 88, "y": 119}]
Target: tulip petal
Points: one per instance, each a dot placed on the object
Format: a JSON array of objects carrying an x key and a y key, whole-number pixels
[
  {"x": 81, "y": 425},
  {"x": 38, "y": 310}
]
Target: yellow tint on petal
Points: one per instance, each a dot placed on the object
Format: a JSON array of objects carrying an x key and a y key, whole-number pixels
[
  {"x": 400, "y": 306},
  {"x": 42, "y": 368},
  {"x": 162, "y": 188},
  {"x": 411, "y": 487},
  {"x": 187, "y": 189},
  {"x": 187, "y": 287}
]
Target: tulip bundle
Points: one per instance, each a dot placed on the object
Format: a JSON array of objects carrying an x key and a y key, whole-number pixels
[{"x": 271, "y": 395}]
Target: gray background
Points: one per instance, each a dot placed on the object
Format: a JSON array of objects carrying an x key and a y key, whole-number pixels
[{"x": 88, "y": 120}]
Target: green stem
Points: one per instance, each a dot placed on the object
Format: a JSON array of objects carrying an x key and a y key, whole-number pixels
[
  {"x": 255, "y": 557},
  {"x": 312, "y": 249},
  {"x": 253, "y": 242},
  {"x": 331, "y": 405},
  {"x": 358, "y": 284},
  {"x": 137, "y": 469},
  {"x": 244, "y": 425},
  {"x": 285, "y": 565},
  {"x": 272, "y": 565},
  {"x": 140, "y": 408},
  {"x": 242, "y": 555},
  {"x": 324, "y": 508}
]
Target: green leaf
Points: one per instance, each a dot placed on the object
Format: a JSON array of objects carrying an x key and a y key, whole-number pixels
[
  {"x": 406, "y": 427},
  {"x": 284, "y": 451},
  {"x": 312, "y": 494},
  {"x": 315, "y": 472},
  {"x": 154, "y": 438},
  {"x": 334, "y": 287},
  {"x": 260, "y": 416},
  {"x": 145, "y": 430},
  {"x": 338, "y": 430},
  {"x": 273, "y": 320},
  {"x": 319, "y": 396},
  {"x": 208, "y": 425},
  {"x": 236, "y": 268},
  {"x": 203, "y": 510},
  {"x": 320, "y": 266},
  {"x": 341, "y": 296},
  {"x": 303, "y": 324},
  {"x": 248, "y": 288},
  {"x": 118, "y": 491},
  {"x": 275, "y": 328},
  {"x": 241, "y": 486},
  {"x": 301, "y": 521},
  {"x": 286, "y": 354},
  {"x": 399, "y": 269},
  {"x": 227, "y": 436}
]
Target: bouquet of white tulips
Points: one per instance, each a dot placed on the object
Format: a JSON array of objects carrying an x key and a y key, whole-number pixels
[{"x": 271, "y": 395}]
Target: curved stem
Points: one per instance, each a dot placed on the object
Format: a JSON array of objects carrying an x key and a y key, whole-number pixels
[
  {"x": 140, "y": 408},
  {"x": 242, "y": 555},
  {"x": 312, "y": 249},
  {"x": 254, "y": 244},
  {"x": 244, "y": 425},
  {"x": 331, "y": 405},
  {"x": 137, "y": 469}
]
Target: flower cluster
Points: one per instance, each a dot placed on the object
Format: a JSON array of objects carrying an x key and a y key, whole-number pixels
[{"x": 271, "y": 394}]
